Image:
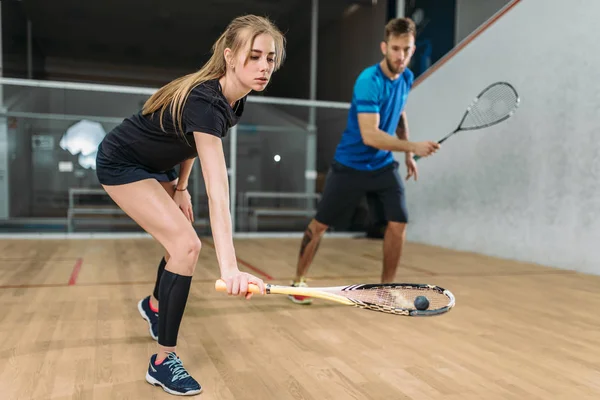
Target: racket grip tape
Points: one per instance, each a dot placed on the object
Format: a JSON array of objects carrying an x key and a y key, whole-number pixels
[{"x": 221, "y": 286}]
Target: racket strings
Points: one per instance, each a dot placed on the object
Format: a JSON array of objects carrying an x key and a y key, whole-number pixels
[
  {"x": 397, "y": 297},
  {"x": 495, "y": 104}
]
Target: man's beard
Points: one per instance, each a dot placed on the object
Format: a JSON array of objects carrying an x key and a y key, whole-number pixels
[{"x": 393, "y": 69}]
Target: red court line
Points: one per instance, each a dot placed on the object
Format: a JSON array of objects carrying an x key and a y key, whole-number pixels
[
  {"x": 75, "y": 273},
  {"x": 55, "y": 285},
  {"x": 245, "y": 263},
  {"x": 34, "y": 286},
  {"x": 464, "y": 43},
  {"x": 253, "y": 268},
  {"x": 35, "y": 258}
]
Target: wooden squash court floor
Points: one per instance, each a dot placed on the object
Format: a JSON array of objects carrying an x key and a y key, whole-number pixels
[{"x": 70, "y": 329}]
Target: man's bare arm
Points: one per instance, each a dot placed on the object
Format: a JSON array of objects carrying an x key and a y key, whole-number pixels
[{"x": 373, "y": 136}]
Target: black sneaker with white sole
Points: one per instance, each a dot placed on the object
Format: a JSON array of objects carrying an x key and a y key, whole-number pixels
[
  {"x": 172, "y": 376},
  {"x": 149, "y": 315}
]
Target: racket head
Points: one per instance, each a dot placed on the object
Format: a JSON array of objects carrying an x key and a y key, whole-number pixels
[
  {"x": 495, "y": 103},
  {"x": 398, "y": 298}
]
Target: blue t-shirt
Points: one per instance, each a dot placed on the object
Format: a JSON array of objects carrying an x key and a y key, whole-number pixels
[{"x": 374, "y": 92}]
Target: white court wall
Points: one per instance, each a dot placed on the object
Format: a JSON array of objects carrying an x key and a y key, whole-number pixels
[{"x": 529, "y": 188}]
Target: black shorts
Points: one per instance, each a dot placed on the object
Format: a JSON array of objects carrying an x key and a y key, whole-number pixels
[
  {"x": 345, "y": 187},
  {"x": 113, "y": 171}
]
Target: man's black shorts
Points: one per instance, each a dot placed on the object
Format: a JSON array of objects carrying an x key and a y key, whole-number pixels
[{"x": 345, "y": 187}]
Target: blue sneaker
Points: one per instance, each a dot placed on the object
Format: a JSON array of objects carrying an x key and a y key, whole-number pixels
[
  {"x": 150, "y": 316},
  {"x": 172, "y": 376}
]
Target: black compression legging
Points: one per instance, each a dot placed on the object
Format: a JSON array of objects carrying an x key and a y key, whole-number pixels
[
  {"x": 173, "y": 290},
  {"x": 161, "y": 268}
]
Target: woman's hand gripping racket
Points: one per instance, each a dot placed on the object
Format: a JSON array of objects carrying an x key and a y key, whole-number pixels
[
  {"x": 493, "y": 105},
  {"x": 393, "y": 298}
]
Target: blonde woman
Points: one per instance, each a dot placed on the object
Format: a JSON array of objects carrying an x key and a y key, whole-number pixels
[{"x": 183, "y": 120}]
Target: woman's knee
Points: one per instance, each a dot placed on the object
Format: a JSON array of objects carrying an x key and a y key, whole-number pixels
[{"x": 184, "y": 255}]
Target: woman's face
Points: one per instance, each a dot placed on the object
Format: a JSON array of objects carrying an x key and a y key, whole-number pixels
[{"x": 255, "y": 63}]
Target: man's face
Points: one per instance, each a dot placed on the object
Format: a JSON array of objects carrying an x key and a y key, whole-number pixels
[{"x": 398, "y": 51}]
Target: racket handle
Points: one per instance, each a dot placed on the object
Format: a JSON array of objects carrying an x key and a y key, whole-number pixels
[{"x": 220, "y": 286}]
